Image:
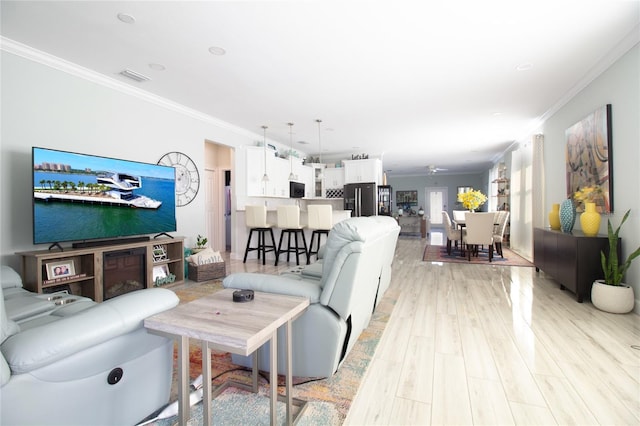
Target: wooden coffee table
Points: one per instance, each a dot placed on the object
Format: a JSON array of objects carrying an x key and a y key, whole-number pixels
[{"x": 239, "y": 328}]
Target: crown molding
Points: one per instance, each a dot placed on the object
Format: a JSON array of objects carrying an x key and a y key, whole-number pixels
[
  {"x": 38, "y": 56},
  {"x": 625, "y": 45}
]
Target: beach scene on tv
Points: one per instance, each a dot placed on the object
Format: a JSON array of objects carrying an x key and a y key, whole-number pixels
[{"x": 82, "y": 197}]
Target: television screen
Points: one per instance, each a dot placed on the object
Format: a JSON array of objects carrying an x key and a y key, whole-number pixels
[{"x": 78, "y": 197}]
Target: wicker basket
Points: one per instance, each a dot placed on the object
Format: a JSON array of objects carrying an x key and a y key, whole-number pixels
[{"x": 209, "y": 271}]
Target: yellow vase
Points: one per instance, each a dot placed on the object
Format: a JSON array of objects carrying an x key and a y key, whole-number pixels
[
  {"x": 590, "y": 220},
  {"x": 554, "y": 217}
]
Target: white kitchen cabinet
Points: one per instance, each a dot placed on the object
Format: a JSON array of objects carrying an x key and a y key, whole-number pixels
[
  {"x": 318, "y": 184},
  {"x": 304, "y": 174},
  {"x": 359, "y": 171},
  {"x": 277, "y": 171},
  {"x": 333, "y": 178},
  {"x": 255, "y": 171}
]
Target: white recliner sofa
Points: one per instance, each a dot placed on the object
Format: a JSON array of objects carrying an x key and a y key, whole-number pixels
[
  {"x": 66, "y": 360},
  {"x": 343, "y": 289}
]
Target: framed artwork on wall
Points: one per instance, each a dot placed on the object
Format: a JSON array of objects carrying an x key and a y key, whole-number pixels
[
  {"x": 588, "y": 159},
  {"x": 404, "y": 198}
]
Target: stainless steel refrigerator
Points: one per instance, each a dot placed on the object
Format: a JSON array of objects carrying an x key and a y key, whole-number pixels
[{"x": 361, "y": 199}]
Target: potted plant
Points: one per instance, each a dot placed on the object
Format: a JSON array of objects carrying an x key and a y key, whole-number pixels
[
  {"x": 611, "y": 294},
  {"x": 472, "y": 199},
  {"x": 201, "y": 243}
]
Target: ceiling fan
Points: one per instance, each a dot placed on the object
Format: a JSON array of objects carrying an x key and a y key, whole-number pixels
[{"x": 433, "y": 170}]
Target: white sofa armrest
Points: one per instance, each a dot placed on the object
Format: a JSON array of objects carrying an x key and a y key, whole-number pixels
[
  {"x": 275, "y": 284},
  {"x": 44, "y": 345}
]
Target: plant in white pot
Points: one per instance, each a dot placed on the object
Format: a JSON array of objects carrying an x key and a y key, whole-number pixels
[
  {"x": 201, "y": 244},
  {"x": 611, "y": 294}
]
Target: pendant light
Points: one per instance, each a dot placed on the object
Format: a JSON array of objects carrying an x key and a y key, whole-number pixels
[
  {"x": 265, "y": 177},
  {"x": 291, "y": 175},
  {"x": 319, "y": 147}
]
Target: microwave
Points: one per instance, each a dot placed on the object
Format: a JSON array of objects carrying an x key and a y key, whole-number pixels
[{"x": 296, "y": 190}]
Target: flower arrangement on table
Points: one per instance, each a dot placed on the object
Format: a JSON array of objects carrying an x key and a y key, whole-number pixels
[
  {"x": 588, "y": 194},
  {"x": 472, "y": 199}
]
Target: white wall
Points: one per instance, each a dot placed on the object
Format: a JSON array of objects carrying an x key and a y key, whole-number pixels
[
  {"x": 452, "y": 182},
  {"x": 619, "y": 86},
  {"x": 42, "y": 106}
]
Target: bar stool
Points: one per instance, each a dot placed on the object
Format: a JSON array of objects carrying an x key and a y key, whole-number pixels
[
  {"x": 289, "y": 222},
  {"x": 320, "y": 221},
  {"x": 256, "y": 220}
]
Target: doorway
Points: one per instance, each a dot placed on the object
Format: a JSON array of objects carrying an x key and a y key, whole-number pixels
[
  {"x": 218, "y": 179},
  {"x": 437, "y": 200}
]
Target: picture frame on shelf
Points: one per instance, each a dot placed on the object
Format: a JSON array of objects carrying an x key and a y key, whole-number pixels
[
  {"x": 162, "y": 276},
  {"x": 61, "y": 269},
  {"x": 160, "y": 272}
]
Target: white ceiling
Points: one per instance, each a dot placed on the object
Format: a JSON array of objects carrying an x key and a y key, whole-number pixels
[{"x": 417, "y": 83}]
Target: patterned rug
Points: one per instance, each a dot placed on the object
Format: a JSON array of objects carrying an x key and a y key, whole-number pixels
[
  {"x": 439, "y": 254},
  {"x": 329, "y": 398}
]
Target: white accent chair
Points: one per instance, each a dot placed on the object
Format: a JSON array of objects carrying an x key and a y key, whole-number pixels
[
  {"x": 256, "y": 220},
  {"x": 479, "y": 231},
  {"x": 319, "y": 221},
  {"x": 289, "y": 223}
]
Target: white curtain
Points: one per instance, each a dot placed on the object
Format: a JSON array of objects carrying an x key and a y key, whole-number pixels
[{"x": 526, "y": 195}]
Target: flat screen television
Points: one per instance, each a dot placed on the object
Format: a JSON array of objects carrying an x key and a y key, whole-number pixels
[{"x": 81, "y": 197}]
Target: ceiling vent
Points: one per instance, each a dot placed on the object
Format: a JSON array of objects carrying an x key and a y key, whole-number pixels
[{"x": 134, "y": 75}]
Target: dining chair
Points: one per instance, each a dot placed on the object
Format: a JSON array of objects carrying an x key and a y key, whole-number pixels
[
  {"x": 452, "y": 233},
  {"x": 502, "y": 218},
  {"x": 479, "y": 231},
  {"x": 458, "y": 215}
]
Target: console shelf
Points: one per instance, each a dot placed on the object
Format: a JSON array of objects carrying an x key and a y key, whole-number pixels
[{"x": 86, "y": 279}]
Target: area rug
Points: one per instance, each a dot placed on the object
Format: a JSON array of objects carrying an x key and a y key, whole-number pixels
[
  {"x": 237, "y": 407},
  {"x": 329, "y": 398},
  {"x": 439, "y": 254}
]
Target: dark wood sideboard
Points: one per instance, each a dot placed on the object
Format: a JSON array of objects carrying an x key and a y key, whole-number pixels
[{"x": 571, "y": 259}]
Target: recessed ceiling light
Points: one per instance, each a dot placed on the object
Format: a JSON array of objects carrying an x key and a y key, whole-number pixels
[
  {"x": 157, "y": 67},
  {"x": 127, "y": 19},
  {"x": 524, "y": 67},
  {"x": 497, "y": 114},
  {"x": 218, "y": 51}
]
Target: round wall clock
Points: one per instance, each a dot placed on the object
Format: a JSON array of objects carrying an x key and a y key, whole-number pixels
[{"x": 187, "y": 176}]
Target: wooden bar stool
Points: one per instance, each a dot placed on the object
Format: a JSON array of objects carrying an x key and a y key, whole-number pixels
[
  {"x": 289, "y": 222},
  {"x": 320, "y": 221},
  {"x": 256, "y": 220}
]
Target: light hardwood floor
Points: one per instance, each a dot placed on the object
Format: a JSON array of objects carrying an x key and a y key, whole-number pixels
[
  {"x": 496, "y": 345},
  {"x": 493, "y": 345}
]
